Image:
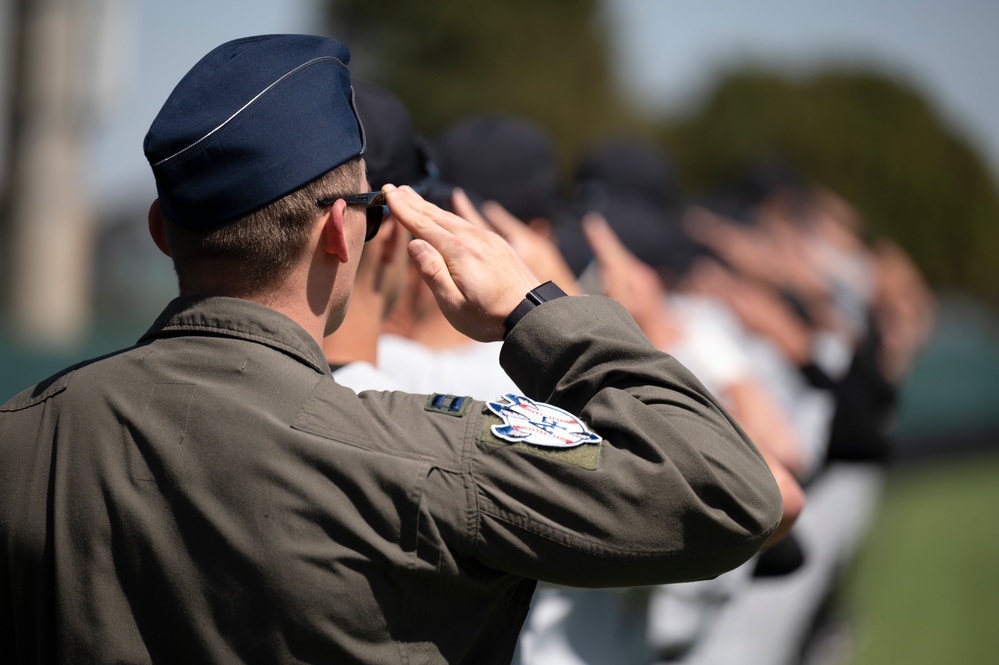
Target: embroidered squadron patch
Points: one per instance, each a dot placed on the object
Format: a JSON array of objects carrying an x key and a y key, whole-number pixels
[{"x": 539, "y": 424}]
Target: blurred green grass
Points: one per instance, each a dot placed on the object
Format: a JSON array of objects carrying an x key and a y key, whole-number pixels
[{"x": 925, "y": 588}]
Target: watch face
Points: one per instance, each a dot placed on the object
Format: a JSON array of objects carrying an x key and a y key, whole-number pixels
[{"x": 547, "y": 291}]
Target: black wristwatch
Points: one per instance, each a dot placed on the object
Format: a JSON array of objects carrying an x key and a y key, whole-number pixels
[{"x": 547, "y": 291}]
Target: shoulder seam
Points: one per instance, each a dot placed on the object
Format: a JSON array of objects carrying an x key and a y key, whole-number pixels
[{"x": 37, "y": 394}]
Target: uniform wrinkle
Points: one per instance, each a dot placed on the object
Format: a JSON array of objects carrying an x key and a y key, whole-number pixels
[{"x": 596, "y": 546}]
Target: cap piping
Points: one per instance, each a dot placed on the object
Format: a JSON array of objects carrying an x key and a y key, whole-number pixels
[{"x": 245, "y": 106}]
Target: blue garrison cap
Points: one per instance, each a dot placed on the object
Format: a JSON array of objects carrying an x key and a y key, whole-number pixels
[{"x": 252, "y": 121}]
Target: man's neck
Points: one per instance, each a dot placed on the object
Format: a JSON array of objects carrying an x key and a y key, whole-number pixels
[{"x": 357, "y": 337}]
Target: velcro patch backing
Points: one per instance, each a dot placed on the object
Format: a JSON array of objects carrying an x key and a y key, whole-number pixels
[{"x": 586, "y": 456}]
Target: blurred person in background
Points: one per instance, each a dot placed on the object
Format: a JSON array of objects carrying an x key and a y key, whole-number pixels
[
  {"x": 496, "y": 170},
  {"x": 629, "y": 182},
  {"x": 394, "y": 154},
  {"x": 793, "y": 266},
  {"x": 642, "y": 256},
  {"x": 800, "y": 274}
]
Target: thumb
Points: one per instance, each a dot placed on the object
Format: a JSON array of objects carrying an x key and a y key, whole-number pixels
[{"x": 432, "y": 268}]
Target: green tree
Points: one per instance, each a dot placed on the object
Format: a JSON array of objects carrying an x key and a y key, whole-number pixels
[
  {"x": 876, "y": 141},
  {"x": 545, "y": 60}
]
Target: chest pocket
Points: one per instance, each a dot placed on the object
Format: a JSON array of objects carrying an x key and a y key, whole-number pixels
[
  {"x": 157, "y": 453},
  {"x": 392, "y": 445}
]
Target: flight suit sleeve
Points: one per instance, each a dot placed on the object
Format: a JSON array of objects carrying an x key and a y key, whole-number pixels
[{"x": 675, "y": 491}]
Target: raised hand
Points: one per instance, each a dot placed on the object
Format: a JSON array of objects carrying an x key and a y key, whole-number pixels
[
  {"x": 476, "y": 277},
  {"x": 634, "y": 284}
]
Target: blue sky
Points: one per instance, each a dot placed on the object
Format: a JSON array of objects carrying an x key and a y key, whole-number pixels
[
  {"x": 666, "y": 52},
  {"x": 947, "y": 48}
]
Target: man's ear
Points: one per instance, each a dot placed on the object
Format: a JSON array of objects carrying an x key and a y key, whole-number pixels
[
  {"x": 333, "y": 240},
  {"x": 157, "y": 227}
]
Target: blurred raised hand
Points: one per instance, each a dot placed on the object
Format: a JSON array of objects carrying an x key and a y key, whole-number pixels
[
  {"x": 758, "y": 306},
  {"x": 631, "y": 282}
]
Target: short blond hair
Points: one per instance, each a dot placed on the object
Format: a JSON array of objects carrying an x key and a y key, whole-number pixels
[{"x": 255, "y": 252}]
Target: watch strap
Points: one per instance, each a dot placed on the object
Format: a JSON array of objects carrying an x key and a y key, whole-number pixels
[{"x": 543, "y": 293}]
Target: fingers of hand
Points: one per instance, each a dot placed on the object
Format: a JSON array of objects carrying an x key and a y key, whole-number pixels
[
  {"x": 699, "y": 223},
  {"x": 465, "y": 209},
  {"x": 402, "y": 209},
  {"x": 502, "y": 220},
  {"x": 606, "y": 246},
  {"x": 422, "y": 218},
  {"x": 714, "y": 230}
]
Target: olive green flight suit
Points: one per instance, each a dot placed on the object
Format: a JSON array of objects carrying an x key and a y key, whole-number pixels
[{"x": 211, "y": 495}]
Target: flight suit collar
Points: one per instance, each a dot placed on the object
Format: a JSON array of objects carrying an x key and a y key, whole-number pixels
[{"x": 243, "y": 319}]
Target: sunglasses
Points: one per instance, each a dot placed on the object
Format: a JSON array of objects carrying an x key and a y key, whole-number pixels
[
  {"x": 374, "y": 204},
  {"x": 374, "y": 201}
]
